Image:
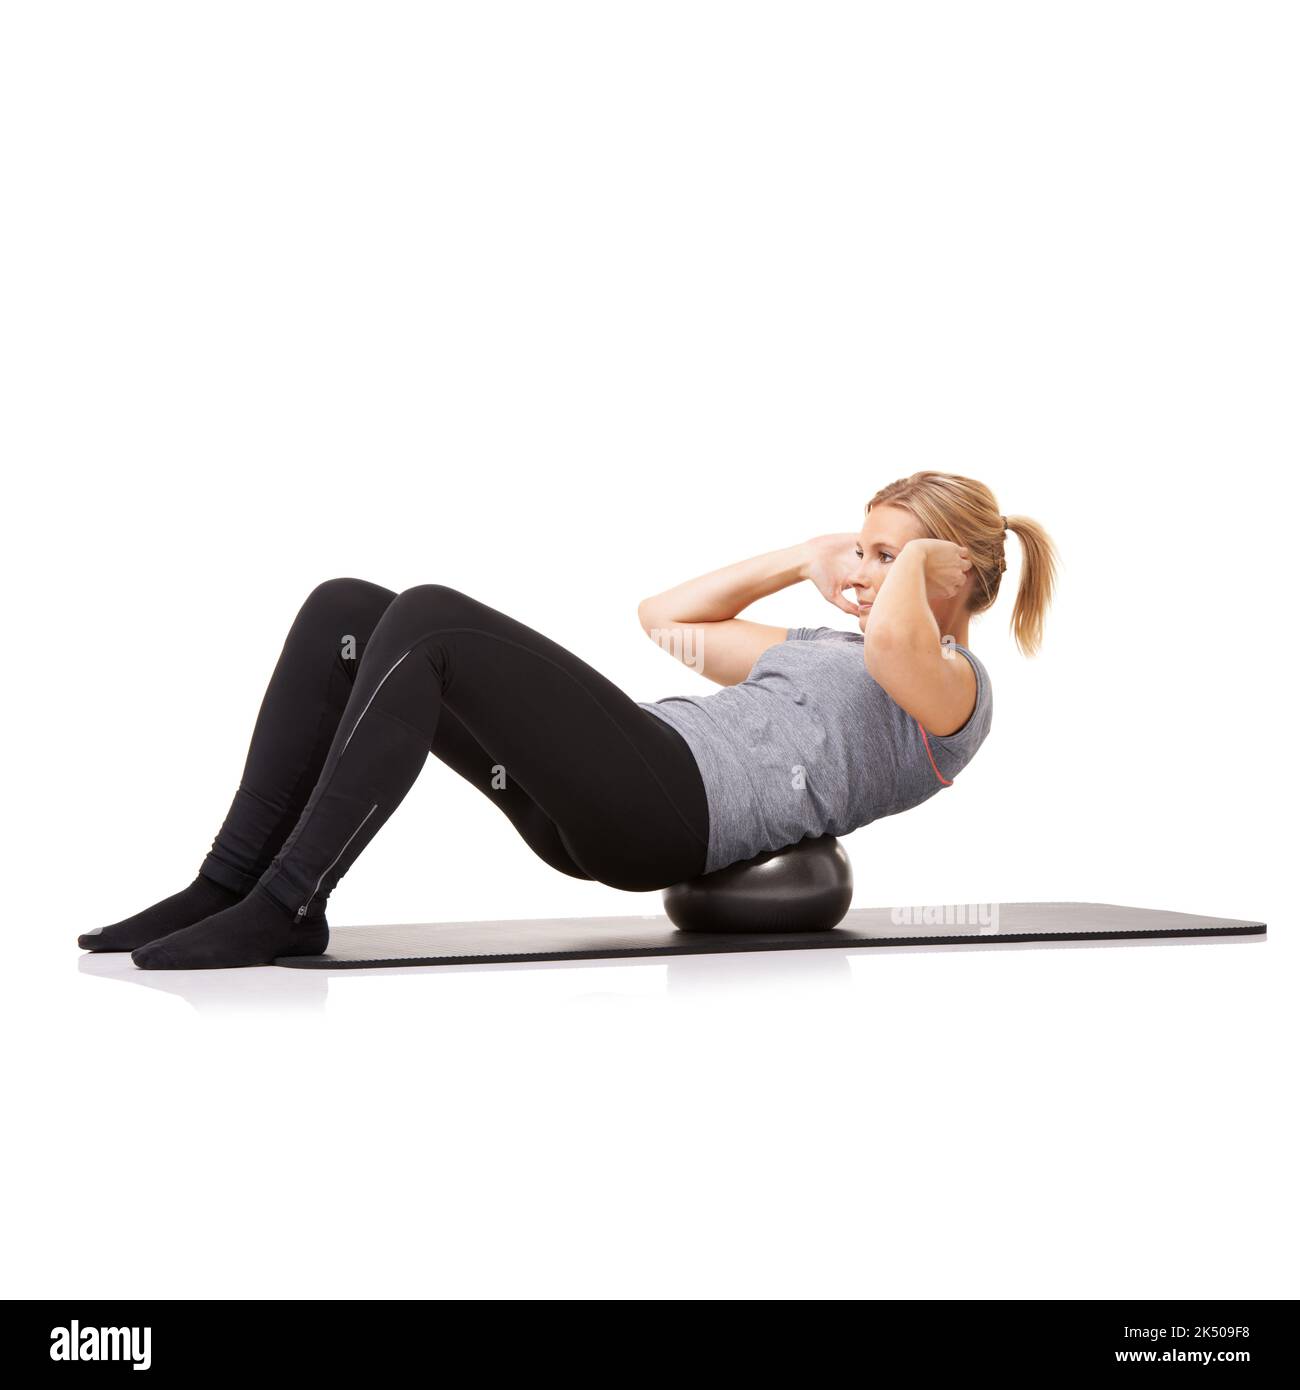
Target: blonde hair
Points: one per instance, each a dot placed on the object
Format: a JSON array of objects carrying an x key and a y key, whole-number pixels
[{"x": 963, "y": 511}]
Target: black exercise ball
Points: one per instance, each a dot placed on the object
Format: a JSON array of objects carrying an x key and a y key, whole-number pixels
[{"x": 804, "y": 887}]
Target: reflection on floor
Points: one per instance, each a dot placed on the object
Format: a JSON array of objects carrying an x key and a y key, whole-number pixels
[{"x": 266, "y": 988}]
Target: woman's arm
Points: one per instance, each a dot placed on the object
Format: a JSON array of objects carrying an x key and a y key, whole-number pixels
[
  {"x": 696, "y": 621},
  {"x": 901, "y": 639}
]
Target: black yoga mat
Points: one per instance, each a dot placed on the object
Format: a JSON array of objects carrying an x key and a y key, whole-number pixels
[{"x": 598, "y": 938}]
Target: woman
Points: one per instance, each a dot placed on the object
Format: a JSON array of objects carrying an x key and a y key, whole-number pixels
[{"x": 818, "y": 731}]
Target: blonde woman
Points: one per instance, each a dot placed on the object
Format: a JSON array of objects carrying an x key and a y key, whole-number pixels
[{"x": 816, "y": 731}]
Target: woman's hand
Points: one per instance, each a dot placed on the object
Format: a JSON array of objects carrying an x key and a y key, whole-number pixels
[
  {"x": 829, "y": 562},
  {"x": 946, "y": 566}
]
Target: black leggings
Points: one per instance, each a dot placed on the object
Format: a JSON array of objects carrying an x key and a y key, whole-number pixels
[{"x": 369, "y": 682}]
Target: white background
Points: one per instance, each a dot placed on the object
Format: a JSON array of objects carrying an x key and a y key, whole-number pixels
[{"x": 560, "y": 304}]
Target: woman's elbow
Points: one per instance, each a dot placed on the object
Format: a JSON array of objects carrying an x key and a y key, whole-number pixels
[{"x": 650, "y": 614}]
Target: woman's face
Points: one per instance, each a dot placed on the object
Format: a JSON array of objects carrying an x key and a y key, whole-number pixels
[{"x": 884, "y": 533}]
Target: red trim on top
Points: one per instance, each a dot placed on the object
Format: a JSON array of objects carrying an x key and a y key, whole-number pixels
[{"x": 925, "y": 739}]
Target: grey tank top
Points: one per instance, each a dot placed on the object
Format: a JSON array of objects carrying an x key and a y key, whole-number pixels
[{"x": 810, "y": 744}]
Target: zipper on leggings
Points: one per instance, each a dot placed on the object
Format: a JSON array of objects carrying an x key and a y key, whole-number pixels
[{"x": 302, "y": 911}]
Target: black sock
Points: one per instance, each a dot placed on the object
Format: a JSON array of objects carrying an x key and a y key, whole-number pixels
[
  {"x": 201, "y": 899},
  {"x": 252, "y": 932}
]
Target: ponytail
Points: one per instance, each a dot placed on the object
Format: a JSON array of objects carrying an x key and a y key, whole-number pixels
[{"x": 1037, "y": 580}]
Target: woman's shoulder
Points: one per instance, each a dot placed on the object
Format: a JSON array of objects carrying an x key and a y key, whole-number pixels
[
  {"x": 972, "y": 732},
  {"x": 982, "y": 677}
]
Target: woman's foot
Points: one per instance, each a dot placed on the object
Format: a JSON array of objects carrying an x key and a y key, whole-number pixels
[
  {"x": 252, "y": 932},
  {"x": 200, "y": 900}
]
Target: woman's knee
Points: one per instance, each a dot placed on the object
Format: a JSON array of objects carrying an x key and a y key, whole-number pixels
[
  {"x": 339, "y": 608},
  {"x": 428, "y": 605},
  {"x": 346, "y": 595}
]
